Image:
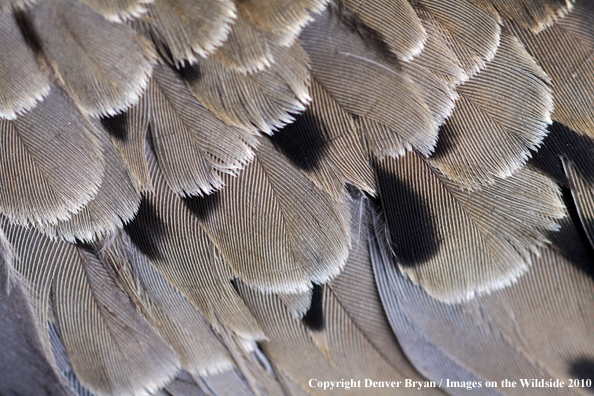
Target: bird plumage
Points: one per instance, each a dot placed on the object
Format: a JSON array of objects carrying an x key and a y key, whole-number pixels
[{"x": 254, "y": 197}]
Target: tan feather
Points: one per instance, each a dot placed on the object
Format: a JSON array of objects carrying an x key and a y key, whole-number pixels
[
  {"x": 535, "y": 15},
  {"x": 188, "y": 29},
  {"x": 571, "y": 40},
  {"x": 376, "y": 84},
  {"x": 261, "y": 101},
  {"x": 395, "y": 22},
  {"x": 246, "y": 50},
  {"x": 485, "y": 138},
  {"x": 104, "y": 69},
  {"x": 115, "y": 203},
  {"x": 456, "y": 243},
  {"x": 268, "y": 213},
  {"x": 513, "y": 324},
  {"x": 173, "y": 240},
  {"x": 22, "y": 83},
  {"x": 42, "y": 152},
  {"x": 182, "y": 129}
]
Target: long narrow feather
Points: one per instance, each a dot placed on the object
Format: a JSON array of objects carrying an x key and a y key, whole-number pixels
[{"x": 25, "y": 366}]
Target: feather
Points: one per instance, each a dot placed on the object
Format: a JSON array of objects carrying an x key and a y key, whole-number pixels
[
  {"x": 115, "y": 204},
  {"x": 23, "y": 83},
  {"x": 104, "y": 69},
  {"x": 472, "y": 34},
  {"x": 324, "y": 143},
  {"x": 181, "y": 129},
  {"x": 395, "y": 22},
  {"x": 172, "y": 238},
  {"x": 356, "y": 290},
  {"x": 246, "y": 50},
  {"x": 176, "y": 319},
  {"x": 571, "y": 40},
  {"x": 457, "y": 243},
  {"x": 513, "y": 324},
  {"x": 111, "y": 347},
  {"x": 260, "y": 101},
  {"x": 282, "y": 19},
  {"x": 188, "y": 29},
  {"x": 583, "y": 194},
  {"x": 129, "y": 132},
  {"x": 40, "y": 162},
  {"x": 267, "y": 212},
  {"x": 118, "y": 10},
  {"x": 297, "y": 355},
  {"x": 376, "y": 85},
  {"x": 484, "y": 138},
  {"x": 24, "y": 363},
  {"x": 535, "y": 15}
]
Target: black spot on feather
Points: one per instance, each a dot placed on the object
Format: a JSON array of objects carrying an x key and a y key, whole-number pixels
[
  {"x": 562, "y": 141},
  {"x": 203, "y": 206},
  {"x": 314, "y": 317},
  {"x": 303, "y": 141},
  {"x": 28, "y": 31},
  {"x": 116, "y": 126},
  {"x": 189, "y": 73},
  {"x": 413, "y": 237},
  {"x": 572, "y": 238},
  {"x": 583, "y": 369},
  {"x": 445, "y": 143},
  {"x": 146, "y": 229}
]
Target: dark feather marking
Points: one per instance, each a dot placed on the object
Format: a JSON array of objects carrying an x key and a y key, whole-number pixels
[
  {"x": 583, "y": 368},
  {"x": 412, "y": 233},
  {"x": 116, "y": 126},
  {"x": 203, "y": 206},
  {"x": 189, "y": 73},
  {"x": 88, "y": 247},
  {"x": 562, "y": 141},
  {"x": 303, "y": 141},
  {"x": 27, "y": 30},
  {"x": 446, "y": 142},
  {"x": 580, "y": 250},
  {"x": 234, "y": 284},
  {"x": 146, "y": 229},
  {"x": 314, "y": 317}
]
